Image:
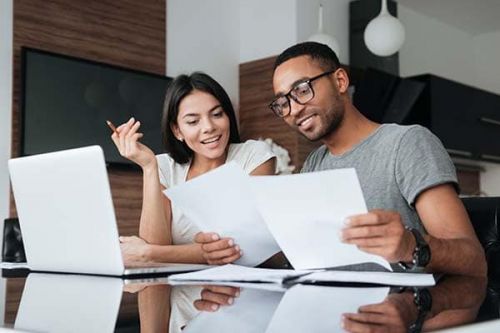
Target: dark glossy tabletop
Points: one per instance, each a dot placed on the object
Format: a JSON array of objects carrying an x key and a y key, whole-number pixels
[{"x": 79, "y": 303}]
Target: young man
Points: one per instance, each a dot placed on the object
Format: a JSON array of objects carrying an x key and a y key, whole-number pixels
[{"x": 415, "y": 216}]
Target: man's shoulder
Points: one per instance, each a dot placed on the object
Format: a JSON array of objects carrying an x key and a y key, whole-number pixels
[
  {"x": 314, "y": 158},
  {"x": 396, "y": 130}
]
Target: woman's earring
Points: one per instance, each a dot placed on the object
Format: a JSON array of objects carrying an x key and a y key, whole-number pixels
[{"x": 180, "y": 139}]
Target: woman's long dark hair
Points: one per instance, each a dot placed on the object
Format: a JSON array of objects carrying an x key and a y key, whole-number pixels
[{"x": 180, "y": 87}]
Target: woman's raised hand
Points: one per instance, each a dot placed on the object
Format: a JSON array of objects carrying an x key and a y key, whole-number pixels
[{"x": 126, "y": 139}]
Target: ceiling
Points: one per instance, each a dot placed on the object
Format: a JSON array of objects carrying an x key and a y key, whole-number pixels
[{"x": 472, "y": 16}]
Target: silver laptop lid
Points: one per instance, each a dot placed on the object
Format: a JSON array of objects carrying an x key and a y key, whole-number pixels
[{"x": 66, "y": 212}]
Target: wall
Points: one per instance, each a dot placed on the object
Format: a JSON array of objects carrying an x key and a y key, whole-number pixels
[
  {"x": 266, "y": 28},
  {"x": 486, "y": 54},
  {"x": 6, "y": 35},
  {"x": 216, "y": 36},
  {"x": 204, "y": 35},
  {"x": 112, "y": 31},
  {"x": 434, "y": 47}
]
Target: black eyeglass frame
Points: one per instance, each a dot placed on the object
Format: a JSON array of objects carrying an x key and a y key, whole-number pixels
[{"x": 289, "y": 95}]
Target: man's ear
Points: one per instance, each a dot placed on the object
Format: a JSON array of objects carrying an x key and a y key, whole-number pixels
[{"x": 342, "y": 80}]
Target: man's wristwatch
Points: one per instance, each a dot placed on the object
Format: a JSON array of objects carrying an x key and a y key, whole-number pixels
[
  {"x": 421, "y": 253},
  {"x": 423, "y": 301}
]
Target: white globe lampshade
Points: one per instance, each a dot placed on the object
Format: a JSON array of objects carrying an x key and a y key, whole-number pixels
[
  {"x": 327, "y": 40},
  {"x": 321, "y": 37},
  {"x": 384, "y": 35}
]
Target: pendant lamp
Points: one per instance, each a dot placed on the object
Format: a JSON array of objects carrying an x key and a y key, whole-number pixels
[{"x": 384, "y": 35}]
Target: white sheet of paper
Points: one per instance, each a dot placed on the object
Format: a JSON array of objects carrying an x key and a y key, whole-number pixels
[
  {"x": 251, "y": 312},
  {"x": 384, "y": 278},
  {"x": 221, "y": 201},
  {"x": 319, "y": 309},
  {"x": 305, "y": 213},
  {"x": 236, "y": 273}
]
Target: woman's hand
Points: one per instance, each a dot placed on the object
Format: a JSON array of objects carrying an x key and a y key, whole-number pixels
[
  {"x": 134, "y": 250},
  {"x": 126, "y": 139},
  {"x": 216, "y": 250},
  {"x": 213, "y": 297}
]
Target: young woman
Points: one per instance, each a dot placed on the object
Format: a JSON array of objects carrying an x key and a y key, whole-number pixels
[{"x": 200, "y": 134}]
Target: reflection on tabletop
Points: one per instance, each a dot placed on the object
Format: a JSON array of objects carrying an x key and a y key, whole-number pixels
[
  {"x": 78, "y": 303},
  {"x": 308, "y": 308},
  {"x": 69, "y": 303}
]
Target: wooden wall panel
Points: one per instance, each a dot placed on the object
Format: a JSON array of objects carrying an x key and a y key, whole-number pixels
[
  {"x": 258, "y": 121},
  {"x": 120, "y": 32}
]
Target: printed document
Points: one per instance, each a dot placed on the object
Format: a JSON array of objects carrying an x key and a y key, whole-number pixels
[
  {"x": 222, "y": 201},
  {"x": 306, "y": 212}
]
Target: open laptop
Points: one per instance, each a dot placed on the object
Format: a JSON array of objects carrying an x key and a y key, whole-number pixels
[{"x": 66, "y": 215}]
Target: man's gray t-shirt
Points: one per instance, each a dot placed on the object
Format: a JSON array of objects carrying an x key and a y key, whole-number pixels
[{"x": 394, "y": 165}]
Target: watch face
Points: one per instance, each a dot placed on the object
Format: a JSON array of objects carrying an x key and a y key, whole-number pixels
[
  {"x": 423, "y": 300},
  {"x": 424, "y": 256}
]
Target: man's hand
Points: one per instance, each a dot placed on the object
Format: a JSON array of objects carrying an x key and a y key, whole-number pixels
[
  {"x": 216, "y": 250},
  {"x": 382, "y": 233},
  {"x": 395, "y": 314},
  {"x": 213, "y": 297}
]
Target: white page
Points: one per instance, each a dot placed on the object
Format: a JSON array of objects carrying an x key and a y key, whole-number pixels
[
  {"x": 251, "y": 312},
  {"x": 319, "y": 309},
  {"x": 236, "y": 273},
  {"x": 305, "y": 213},
  {"x": 384, "y": 278},
  {"x": 221, "y": 201}
]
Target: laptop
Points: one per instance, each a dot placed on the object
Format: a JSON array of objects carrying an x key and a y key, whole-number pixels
[{"x": 66, "y": 215}]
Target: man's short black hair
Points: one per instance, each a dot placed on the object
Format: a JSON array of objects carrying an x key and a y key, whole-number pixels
[{"x": 321, "y": 53}]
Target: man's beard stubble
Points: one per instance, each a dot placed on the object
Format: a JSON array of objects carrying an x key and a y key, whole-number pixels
[{"x": 333, "y": 120}]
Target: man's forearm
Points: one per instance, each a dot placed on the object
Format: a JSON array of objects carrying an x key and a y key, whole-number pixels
[
  {"x": 456, "y": 256},
  {"x": 450, "y": 307}
]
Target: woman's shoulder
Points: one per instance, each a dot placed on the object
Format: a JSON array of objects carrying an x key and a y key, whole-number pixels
[
  {"x": 249, "y": 146},
  {"x": 165, "y": 160},
  {"x": 169, "y": 170},
  {"x": 250, "y": 154}
]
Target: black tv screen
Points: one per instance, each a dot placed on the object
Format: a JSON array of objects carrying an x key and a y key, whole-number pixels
[{"x": 65, "y": 102}]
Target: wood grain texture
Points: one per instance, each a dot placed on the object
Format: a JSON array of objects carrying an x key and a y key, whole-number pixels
[
  {"x": 13, "y": 294},
  {"x": 119, "y": 32},
  {"x": 258, "y": 121}
]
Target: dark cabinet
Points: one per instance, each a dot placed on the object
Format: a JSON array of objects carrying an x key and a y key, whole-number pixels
[{"x": 466, "y": 119}]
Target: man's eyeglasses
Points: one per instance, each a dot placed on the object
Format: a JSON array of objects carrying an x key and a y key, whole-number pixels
[{"x": 301, "y": 93}]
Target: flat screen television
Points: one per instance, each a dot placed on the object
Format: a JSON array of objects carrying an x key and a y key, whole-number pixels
[{"x": 65, "y": 102}]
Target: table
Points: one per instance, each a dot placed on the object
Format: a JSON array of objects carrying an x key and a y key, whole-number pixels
[{"x": 84, "y": 303}]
